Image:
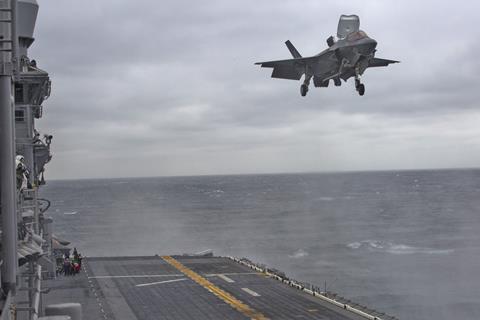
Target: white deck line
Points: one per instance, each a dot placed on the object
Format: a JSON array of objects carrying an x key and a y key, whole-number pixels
[
  {"x": 225, "y": 278},
  {"x": 139, "y": 276},
  {"x": 253, "y": 293},
  {"x": 230, "y": 274},
  {"x": 169, "y": 275},
  {"x": 159, "y": 282}
]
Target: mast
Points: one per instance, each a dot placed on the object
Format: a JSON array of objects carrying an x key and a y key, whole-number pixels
[{"x": 8, "y": 210}]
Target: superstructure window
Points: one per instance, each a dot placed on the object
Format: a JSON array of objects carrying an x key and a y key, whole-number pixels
[
  {"x": 19, "y": 115},
  {"x": 18, "y": 93}
]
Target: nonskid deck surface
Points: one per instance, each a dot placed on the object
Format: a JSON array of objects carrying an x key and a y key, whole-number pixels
[{"x": 190, "y": 287}]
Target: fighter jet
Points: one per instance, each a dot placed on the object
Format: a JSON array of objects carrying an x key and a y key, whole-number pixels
[{"x": 347, "y": 56}]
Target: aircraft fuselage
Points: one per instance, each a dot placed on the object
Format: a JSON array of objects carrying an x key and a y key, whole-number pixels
[
  {"x": 354, "y": 51},
  {"x": 347, "y": 57}
]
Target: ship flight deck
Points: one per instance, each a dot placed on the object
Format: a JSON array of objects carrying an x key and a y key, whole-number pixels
[{"x": 188, "y": 287}]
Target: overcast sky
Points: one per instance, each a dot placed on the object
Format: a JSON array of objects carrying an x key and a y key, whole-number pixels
[{"x": 154, "y": 88}]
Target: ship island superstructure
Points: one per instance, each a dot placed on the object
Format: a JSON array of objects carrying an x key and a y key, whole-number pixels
[
  {"x": 26, "y": 237},
  {"x": 189, "y": 286}
]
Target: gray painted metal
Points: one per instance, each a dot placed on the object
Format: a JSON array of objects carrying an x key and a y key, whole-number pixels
[
  {"x": 27, "y": 17},
  {"x": 7, "y": 185},
  {"x": 72, "y": 309},
  {"x": 6, "y": 313},
  {"x": 14, "y": 36},
  {"x": 7, "y": 155},
  {"x": 349, "y": 56},
  {"x": 32, "y": 86},
  {"x": 26, "y": 10},
  {"x": 35, "y": 88}
]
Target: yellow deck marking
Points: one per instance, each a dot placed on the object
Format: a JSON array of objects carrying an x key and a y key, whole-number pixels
[{"x": 225, "y": 296}]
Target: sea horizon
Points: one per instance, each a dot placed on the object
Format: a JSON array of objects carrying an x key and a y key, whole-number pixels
[{"x": 271, "y": 173}]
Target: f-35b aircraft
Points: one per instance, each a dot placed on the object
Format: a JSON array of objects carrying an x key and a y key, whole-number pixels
[{"x": 349, "y": 56}]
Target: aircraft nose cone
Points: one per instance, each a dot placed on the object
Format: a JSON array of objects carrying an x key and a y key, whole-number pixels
[
  {"x": 372, "y": 43},
  {"x": 369, "y": 45}
]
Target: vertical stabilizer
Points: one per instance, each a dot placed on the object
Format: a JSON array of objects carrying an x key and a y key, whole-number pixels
[{"x": 293, "y": 50}]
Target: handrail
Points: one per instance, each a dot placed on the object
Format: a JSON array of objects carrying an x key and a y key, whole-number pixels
[
  {"x": 339, "y": 302},
  {"x": 38, "y": 292}
]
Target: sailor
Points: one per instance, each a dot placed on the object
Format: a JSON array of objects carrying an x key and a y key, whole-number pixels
[
  {"x": 76, "y": 267},
  {"x": 36, "y": 137},
  {"x": 22, "y": 173},
  {"x": 72, "y": 268},
  {"x": 66, "y": 266}
]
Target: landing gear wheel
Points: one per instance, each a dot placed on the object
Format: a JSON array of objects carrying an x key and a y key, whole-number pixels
[
  {"x": 337, "y": 82},
  {"x": 361, "y": 89},
  {"x": 303, "y": 90}
]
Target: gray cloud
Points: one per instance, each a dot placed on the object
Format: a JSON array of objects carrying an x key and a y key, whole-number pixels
[{"x": 160, "y": 88}]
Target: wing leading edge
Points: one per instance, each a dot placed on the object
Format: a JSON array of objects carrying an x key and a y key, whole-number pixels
[{"x": 379, "y": 62}]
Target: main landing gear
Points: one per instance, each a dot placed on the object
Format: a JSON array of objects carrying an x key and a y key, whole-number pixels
[
  {"x": 303, "y": 90},
  {"x": 360, "y": 87},
  {"x": 304, "y": 86}
]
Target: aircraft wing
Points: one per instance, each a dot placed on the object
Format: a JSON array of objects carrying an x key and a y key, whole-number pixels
[
  {"x": 292, "y": 69},
  {"x": 378, "y": 62}
]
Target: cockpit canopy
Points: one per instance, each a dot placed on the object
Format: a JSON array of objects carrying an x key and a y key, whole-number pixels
[{"x": 347, "y": 24}]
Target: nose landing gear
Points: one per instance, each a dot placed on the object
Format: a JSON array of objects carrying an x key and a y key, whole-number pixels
[{"x": 360, "y": 87}]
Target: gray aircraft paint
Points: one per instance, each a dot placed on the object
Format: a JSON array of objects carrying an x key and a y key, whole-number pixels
[{"x": 349, "y": 56}]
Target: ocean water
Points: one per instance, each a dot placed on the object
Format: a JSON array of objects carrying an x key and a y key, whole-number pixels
[{"x": 403, "y": 242}]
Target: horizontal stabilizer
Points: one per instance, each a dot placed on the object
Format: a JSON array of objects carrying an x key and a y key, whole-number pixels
[
  {"x": 286, "y": 72},
  {"x": 293, "y": 50},
  {"x": 378, "y": 62},
  {"x": 289, "y": 69},
  {"x": 289, "y": 62}
]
